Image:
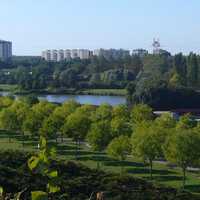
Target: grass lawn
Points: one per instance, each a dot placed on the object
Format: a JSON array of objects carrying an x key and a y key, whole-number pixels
[
  {"x": 121, "y": 92},
  {"x": 66, "y": 151},
  {"x": 7, "y": 87}
]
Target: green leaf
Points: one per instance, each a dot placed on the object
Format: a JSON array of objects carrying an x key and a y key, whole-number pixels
[
  {"x": 53, "y": 174},
  {"x": 43, "y": 142},
  {"x": 39, "y": 195},
  {"x": 53, "y": 152},
  {"x": 1, "y": 191},
  {"x": 52, "y": 188},
  {"x": 33, "y": 162}
]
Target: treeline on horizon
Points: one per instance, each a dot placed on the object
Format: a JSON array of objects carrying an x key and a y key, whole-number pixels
[{"x": 161, "y": 81}]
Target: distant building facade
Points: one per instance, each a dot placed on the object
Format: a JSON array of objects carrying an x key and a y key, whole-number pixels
[
  {"x": 60, "y": 55},
  {"x": 5, "y": 50},
  {"x": 139, "y": 52},
  {"x": 111, "y": 53}
]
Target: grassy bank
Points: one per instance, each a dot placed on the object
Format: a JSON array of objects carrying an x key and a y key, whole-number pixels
[
  {"x": 16, "y": 90},
  {"x": 8, "y": 87},
  {"x": 117, "y": 92},
  {"x": 162, "y": 174}
]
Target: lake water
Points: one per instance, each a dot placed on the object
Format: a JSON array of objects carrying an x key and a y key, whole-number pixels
[{"x": 82, "y": 99}]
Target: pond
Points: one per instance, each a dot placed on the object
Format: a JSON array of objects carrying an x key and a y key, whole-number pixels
[{"x": 82, "y": 99}]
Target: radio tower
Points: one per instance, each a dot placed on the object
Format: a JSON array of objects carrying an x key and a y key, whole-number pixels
[{"x": 156, "y": 46}]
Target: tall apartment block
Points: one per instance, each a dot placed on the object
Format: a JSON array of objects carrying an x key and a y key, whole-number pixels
[
  {"x": 139, "y": 52},
  {"x": 60, "y": 55},
  {"x": 5, "y": 50},
  {"x": 111, "y": 53}
]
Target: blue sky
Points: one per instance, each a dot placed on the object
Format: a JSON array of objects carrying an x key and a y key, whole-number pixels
[{"x": 34, "y": 25}]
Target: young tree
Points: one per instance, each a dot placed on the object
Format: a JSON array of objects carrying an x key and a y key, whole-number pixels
[
  {"x": 103, "y": 112},
  {"x": 99, "y": 136},
  {"x": 183, "y": 148},
  {"x": 76, "y": 126},
  {"x": 119, "y": 148},
  {"x": 8, "y": 120},
  {"x": 185, "y": 122},
  {"x": 21, "y": 109},
  {"x": 5, "y": 102},
  {"x": 59, "y": 115},
  {"x": 36, "y": 115},
  {"x": 120, "y": 123},
  {"x": 140, "y": 113},
  {"x": 147, "y": 142}
]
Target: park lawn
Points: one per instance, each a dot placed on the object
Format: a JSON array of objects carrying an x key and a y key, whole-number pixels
[
  {"x": 8, "y": 87},
  {"x": 66, "y": 151},
  {"x": 119, "y": 92}
]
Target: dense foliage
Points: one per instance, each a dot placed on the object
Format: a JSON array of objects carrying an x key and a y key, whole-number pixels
[
  {"x": 78, "y": 182},
  {"x": 118, "y": 130},
  {"x": 98, "y": 72}
]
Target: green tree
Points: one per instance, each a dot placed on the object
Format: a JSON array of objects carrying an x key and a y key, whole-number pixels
[
  {"x": 77, "y": 126},
  {"x": 185, "y": 122},
  {"x": 61, "y": 113},
  {"x": 8, "y": 121},
  {"x": 140, "y": 113},
  {"x": 119, "y": 148},
  {"x": 21, "y": 109},
  {"x": 35, "y": 117},
  {"x": 99, "y": 136},
  {"x": 120, "y": 123},
  {"x": 192, "y": 70},
  {"x": 180, "y": 66},
  {"x": 103, "y": 112},
  {"x": 175, "y": 81},
  {"x": 183, "y": 148},
  {"x": 147, "y": 142}
]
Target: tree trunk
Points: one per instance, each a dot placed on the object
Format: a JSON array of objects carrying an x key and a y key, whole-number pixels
[
  {"x": 98, "y": 165},
  {"x": 76, "y": 153},
  {"x": 62, "y": 137},
  {"x": 122, "y": 166},
  {"x": 184, "y": 175},
  {"x": 151, "y": 168},
  {"x": 23, "y": 139},
  {"x": 56, "y": 139}
]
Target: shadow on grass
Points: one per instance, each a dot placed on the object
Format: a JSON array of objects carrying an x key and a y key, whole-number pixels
[
  {"x": 165, "y": 178},
  {"x": 193, "y": 188},
  {"x": 72, "y": 152},
  {"x": 66, "y": 148},
  {"x": 97, "y": 158},
  {"x": 115, "y": 163},
  {"x": 147, "y": 171}
]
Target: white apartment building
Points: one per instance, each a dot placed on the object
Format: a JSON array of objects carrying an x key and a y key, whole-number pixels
[
  {"x": 67, "y": 54},
  {"x": 140, "y": 52},
  {"x": 54, "y": 55},
  {"x": 60, "y": 55},
  {"x": 111, "y": 53},
  {"x": 5, "y": 50},
  {"x": 46, "y": 55},
  {"x": 74, "y": 53},
  {"x": 84, "y": 53}
]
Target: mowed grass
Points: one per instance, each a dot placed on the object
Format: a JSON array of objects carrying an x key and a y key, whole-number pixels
[
  {"x": 8, "y": 87},
  {"x": 66, "y": 150},
  {"x": 120, "y": 92}
]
